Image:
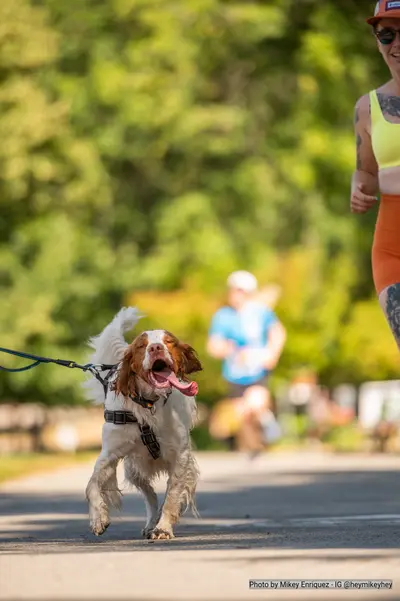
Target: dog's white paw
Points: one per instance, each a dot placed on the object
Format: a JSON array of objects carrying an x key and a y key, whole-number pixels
[
  {"x": 160, "y": 534},
  {"x": 99, "y": 525}
]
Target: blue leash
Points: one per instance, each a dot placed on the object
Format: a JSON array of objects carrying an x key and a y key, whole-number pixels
[{"x": 94, "y": 369}]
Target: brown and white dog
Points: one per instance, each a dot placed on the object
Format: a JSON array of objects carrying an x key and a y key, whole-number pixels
[{"x": 153, "y": 367}]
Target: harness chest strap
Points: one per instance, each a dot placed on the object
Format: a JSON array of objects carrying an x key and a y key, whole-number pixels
[{"x": 146, "y": 433}]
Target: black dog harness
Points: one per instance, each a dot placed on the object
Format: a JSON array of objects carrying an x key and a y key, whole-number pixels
[
  {"x": 121, "y": 418},
  {"x": 146, "y": 433}
]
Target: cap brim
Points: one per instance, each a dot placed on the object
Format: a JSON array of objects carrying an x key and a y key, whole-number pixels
[{"x": 393, "y": 14}]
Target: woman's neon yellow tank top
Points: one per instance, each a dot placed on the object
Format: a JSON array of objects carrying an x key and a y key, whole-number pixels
[{"x": 385, "y": 136}]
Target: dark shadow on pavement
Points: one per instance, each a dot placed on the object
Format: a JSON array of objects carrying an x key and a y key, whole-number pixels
[{"x": 298, "y": 510}]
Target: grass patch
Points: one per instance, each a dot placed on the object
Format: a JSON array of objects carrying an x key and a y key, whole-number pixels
[{"x": 16, "y": 466}]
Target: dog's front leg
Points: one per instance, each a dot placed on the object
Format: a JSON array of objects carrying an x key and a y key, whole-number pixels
[
  {"x": 172, "y": 506},
  {"x": 102, "y": 492}
]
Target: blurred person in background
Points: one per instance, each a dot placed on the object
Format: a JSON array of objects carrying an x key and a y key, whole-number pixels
[
  {"x": 377, "y": 129},
  {"x": 247, "y": 335}
]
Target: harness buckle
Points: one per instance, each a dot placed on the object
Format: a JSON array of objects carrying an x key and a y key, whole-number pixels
[
  {"x": 120, "y": 418},
  {"x": 147, "y": 435},
  {"x": 150, "y": 441}
]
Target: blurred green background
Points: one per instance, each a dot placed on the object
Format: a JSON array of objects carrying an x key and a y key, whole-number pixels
[{"x": 150, "y": 147}]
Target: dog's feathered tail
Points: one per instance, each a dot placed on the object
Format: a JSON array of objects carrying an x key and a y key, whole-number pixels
[{"x": 109, "y": 347}]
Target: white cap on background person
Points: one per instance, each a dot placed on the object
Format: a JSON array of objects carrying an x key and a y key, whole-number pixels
[{"x": 243, "y": 280}]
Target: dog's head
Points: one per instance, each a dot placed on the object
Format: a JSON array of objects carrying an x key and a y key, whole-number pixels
[{"x": 159, "y": 360}]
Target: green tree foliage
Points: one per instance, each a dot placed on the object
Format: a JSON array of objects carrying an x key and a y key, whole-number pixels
[{"x": 151, "y": 146}]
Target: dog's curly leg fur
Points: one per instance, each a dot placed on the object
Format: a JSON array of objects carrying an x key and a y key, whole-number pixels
[
  {"x": 144, "y": 486},
  {"x": 102, "y": 493},
  {"x": 180, "y": 493}
]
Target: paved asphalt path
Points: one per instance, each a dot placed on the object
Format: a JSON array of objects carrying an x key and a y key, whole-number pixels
[{"x": 280, "y": 516}]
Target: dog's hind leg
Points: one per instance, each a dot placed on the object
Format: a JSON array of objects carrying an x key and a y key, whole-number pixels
[
  {"x": 188, "y": 498},
  {"x": 150, "y": 497}
]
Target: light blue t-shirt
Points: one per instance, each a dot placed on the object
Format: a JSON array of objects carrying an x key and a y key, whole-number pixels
[{"x": 248, "y": 328}]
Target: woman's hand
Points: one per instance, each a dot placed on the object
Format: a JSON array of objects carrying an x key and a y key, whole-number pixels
[{"x": 360, "y": 202}]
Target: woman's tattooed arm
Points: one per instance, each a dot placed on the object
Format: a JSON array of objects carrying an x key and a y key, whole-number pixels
[{"x": 365, "y": 159}]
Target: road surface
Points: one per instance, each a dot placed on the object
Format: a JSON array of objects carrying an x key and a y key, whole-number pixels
[{"x": 280, "y": 516}]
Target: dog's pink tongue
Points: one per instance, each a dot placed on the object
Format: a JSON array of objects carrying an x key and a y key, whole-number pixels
[{"x": 187, "y": 388}]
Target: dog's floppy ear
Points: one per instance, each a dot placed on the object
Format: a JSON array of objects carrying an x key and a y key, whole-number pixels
[
  {"x": 125, "y": 381},
  {"x": 190, "y": 361}
]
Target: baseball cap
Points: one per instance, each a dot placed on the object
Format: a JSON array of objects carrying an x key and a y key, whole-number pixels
[
  {"x": 243, "y": 280},
  {"x": 385, "y": 8}
]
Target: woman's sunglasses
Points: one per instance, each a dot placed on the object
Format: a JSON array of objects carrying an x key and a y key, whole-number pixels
[{"x": 387, "y": 35}]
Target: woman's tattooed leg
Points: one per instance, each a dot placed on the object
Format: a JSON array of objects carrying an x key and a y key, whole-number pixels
[{"x": 390, "y": 302}]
